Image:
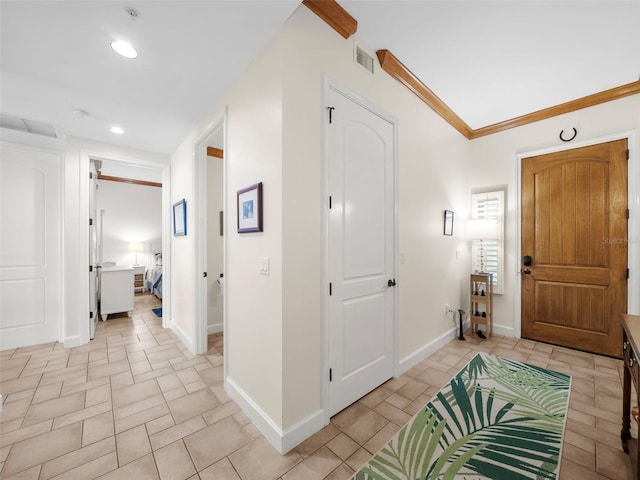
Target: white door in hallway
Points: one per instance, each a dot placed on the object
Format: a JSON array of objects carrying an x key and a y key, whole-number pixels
[
  {"x": 30, "y": 246},
  {"x": 360, "y": 251}
]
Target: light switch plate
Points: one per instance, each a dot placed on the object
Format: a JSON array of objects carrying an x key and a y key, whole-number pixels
[{"x": 264, "y": 266}]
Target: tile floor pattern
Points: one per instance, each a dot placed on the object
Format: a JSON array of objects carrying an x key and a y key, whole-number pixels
[{"x": 134, "y": 403}]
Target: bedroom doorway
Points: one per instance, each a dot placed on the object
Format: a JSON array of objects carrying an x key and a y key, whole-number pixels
[{"x": 126, "y": 238}]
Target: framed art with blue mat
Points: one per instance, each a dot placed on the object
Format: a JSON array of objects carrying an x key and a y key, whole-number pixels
[
  {"x": 180, "y": 218},
  {"x": 249, "y": 204}
]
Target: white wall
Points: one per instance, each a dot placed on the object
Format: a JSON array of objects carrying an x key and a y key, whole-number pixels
[
  {"x": 183, "y": 287},
  {"x": 76, "y": 233},
  {"x": 431, "y": 178},
  {"x": 493, "y": 162},
  {"x": 253, "y": 153},
  {"x": 132, "y": 214},
  {"x": 275, "y": 134}
]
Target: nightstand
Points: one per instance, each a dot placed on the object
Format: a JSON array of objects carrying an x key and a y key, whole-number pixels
[
  {"x": 116, "y": 290},
  {"x": 138, "y": 278}
]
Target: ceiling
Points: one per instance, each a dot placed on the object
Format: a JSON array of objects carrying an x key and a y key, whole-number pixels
[{"x": 488, "y": 61}]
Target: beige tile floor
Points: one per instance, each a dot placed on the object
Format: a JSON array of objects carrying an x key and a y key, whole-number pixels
[{"x": 134, "y": 403}]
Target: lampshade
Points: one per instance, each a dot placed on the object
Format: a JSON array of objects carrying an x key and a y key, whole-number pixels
[
  {"x": 136, "y": 247},
  {"x": 482, "y": 229}
]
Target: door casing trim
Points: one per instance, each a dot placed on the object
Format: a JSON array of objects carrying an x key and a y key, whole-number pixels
[
  {"x": 332, "y": 84},
  {"x": 633, "y": 203}
]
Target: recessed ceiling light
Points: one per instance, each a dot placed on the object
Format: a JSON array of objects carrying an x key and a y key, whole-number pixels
[
  {"x": 123, "y": 48},
  {"x": 116, "y": 130}
]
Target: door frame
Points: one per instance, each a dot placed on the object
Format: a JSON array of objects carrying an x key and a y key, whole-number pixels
[
  {"x": 633, "y": 203},
  {"x": 85, "y": 157},
  {"x": 200, "y": 157},
  {"x": 331, "y": 84}
]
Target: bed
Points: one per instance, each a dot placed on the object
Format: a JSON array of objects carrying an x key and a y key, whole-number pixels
[{"x": 153, "y": 277}]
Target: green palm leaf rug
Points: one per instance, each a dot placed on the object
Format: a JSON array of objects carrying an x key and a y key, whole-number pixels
[{"x": 496, "y": 419}]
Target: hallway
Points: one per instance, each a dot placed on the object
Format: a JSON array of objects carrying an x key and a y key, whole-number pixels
[{"x": 134, "y": 403}]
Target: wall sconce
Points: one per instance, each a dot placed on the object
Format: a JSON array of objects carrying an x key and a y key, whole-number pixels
[
  {"x": 136, "y": 248},
  {"x": 481, "y": 230}
]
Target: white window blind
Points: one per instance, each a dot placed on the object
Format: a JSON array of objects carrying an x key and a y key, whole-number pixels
[{"x": 490, "y": 205}]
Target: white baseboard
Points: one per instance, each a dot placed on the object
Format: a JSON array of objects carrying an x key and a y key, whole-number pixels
[
  {"x": 70, "y": 342},
  {"x": 188, "y": 342},
  {"x": 416, "y": 357},
  {"x": 215, "y": 328},
  {"x": 502, "y": 330},
  {"x": 281, "y": 441}
]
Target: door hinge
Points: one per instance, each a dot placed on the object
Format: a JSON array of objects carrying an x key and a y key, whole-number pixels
[
  {"x": 90, "y": 221},
  {"x": 90, "y": 268},
  {"x": 331, "y": 109},
  {"x": 627, "y": 154},
  {"x": 90, "y": 175},
  {"x": 90, "y": 314},
  {"x": 204, "y": 274},
  {"x": 329, "y": 202},
  {"x": 330, "y": 289},
  {"x": 627, "y": 214},
  {"x": 330, "y": 375},
  {"x": 627, "y": 274}
]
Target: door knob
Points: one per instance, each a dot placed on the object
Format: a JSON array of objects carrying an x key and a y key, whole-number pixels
[
  {"x": 526, "y": 271},
  {"x": 391, "y": 283}
]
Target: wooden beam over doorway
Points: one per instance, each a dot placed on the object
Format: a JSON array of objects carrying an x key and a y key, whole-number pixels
[{"x": 215, "y": 152}]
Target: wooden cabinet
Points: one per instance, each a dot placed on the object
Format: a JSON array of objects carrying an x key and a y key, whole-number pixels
[
  {"x": 138, "y": 278},
  {"x": 630, "y": 344},
  {"x": 116, "y": 288},
  {"x": 481, "y": 302}
]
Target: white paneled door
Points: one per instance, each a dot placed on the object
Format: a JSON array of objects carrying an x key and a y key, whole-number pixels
[
  {"x": 360, "y": 251},
  {"x": 30, "y": 253}
]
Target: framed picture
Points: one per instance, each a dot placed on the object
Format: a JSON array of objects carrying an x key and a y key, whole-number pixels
[
  {"x": 448, "y": 222},
  {"x": 250, "y": 209},
  {"x": 180, "y": 218}
]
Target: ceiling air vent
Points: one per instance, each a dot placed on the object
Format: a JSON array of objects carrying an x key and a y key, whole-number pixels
[
  {"x": 363, "y": 59},
  {"x": 27, "y": 126}
]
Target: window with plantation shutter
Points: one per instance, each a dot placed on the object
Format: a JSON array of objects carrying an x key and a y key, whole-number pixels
[{"x": 490, "y": 205}]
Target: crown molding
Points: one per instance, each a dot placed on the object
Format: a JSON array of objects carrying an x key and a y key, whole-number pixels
[
  {"x": 571, "y": 106},
  {"x": 397, "y": 70},
  {"x": 333, "y": 15}
]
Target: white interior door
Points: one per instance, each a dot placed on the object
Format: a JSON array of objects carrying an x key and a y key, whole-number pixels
[
  {"x": 360, "y": 251},
  {"x": 30, "y": 253}
]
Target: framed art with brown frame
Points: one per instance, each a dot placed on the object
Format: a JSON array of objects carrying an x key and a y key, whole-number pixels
[{"x": 249, "y": 203}]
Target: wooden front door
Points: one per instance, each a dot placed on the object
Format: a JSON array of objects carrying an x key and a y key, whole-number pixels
[{"x": 574, "y": 229}]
